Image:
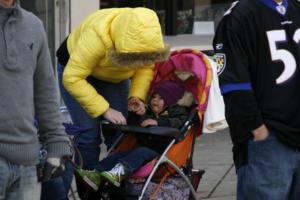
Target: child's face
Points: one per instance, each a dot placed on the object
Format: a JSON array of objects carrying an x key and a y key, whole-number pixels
[{"x": 157, "y": 103}]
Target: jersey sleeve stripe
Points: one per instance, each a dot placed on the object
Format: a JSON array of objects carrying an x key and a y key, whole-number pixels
[{"x": 235, "y": 87}]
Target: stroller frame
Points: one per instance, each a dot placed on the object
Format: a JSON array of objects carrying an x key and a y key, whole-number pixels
[
  {"x": 176, "y": 135},
  {"x": 163, "y": 159}
]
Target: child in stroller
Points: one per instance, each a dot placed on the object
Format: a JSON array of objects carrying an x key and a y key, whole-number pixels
[{"x": 162, "y": 111}]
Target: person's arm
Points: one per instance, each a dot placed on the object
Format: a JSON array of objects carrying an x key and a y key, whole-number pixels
[
  {"x": 140, "y": 83},
  {"x": 148, "y": 119},
  {"x": 234, "y": 57},
  {"x": 83, "y": 58},
  {"x": 242, "y": 112},
  {"x": 46, "y": 103}
]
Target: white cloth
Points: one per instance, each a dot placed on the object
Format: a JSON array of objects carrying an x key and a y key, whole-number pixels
[{"x": 214, "y": 116}]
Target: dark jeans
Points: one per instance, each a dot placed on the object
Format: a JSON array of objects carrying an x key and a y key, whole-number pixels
[
  {"x": 89, "y": 141},
  {"x": 132, "y": 159},
  {"x": 272, "y": 172},
  {"x": 52, "y": 190}
]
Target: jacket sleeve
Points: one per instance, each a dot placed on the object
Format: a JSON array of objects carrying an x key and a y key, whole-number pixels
[
  {"x": 83, "y": 59},
  {"x": 234, "y": 61},
  {"x": 46, "y": 101},
  {"x": 175, "y": 118},
  {"x": 140, "y": 83}
]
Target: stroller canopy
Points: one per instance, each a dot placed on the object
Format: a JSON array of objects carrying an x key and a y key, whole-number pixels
[{"x": 196, "y": 66}]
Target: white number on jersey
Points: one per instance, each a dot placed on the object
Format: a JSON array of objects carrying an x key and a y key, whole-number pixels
[{"x": 283, "y": 55}]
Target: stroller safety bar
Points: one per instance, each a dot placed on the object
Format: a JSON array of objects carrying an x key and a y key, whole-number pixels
[{"x": 153, "y": 130}]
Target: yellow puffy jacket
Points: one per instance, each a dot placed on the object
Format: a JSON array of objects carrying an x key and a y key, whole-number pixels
[{"x": 113, "y": 45}]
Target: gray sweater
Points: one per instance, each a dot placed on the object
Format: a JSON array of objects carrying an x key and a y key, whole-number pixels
[{"x": 28, "y": 90}]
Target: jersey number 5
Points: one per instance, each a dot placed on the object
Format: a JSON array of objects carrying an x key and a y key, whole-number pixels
[{"x": 283, "y": 55}]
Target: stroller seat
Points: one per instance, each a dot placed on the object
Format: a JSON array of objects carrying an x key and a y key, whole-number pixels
[{"x": 174, "y": 157}]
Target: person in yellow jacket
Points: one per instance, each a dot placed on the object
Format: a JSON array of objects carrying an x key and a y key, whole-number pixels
[{"x": 110, "y": 50}]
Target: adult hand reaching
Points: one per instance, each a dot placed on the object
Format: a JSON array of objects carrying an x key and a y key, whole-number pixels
[
  {"x": 136, "y": 105},
  {"x": 114, "y": 116}
]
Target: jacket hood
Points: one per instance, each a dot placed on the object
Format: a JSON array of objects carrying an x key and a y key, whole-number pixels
[
  {"x": 137, "y": 30},
  {"x": 138, "y": 59},
  {"x": 136, "y": 34}
]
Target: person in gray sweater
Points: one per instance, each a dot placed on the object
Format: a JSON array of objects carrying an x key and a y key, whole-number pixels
[{"x": 28, "y": 91}]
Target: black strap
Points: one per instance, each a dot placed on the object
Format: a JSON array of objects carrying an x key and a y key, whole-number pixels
[{"x": 62, "y": 53}]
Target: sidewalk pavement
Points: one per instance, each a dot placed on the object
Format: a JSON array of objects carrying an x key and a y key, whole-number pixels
[{"x": 213, "y": 154}]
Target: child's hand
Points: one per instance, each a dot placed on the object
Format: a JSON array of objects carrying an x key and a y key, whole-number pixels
[
  {"x": 136, "y": 105},
  {"x": 149, "y": 122}
]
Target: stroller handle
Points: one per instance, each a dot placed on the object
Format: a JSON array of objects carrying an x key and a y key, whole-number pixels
[{"x": 152, "y": 130}]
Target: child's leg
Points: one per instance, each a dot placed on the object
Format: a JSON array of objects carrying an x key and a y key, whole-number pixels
[
  {"x": 137, "y": 158},
  {"x": 127, "y": 164},
  {"x": 92, "y": 179},
  {"x": 110, "y": 161}
]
